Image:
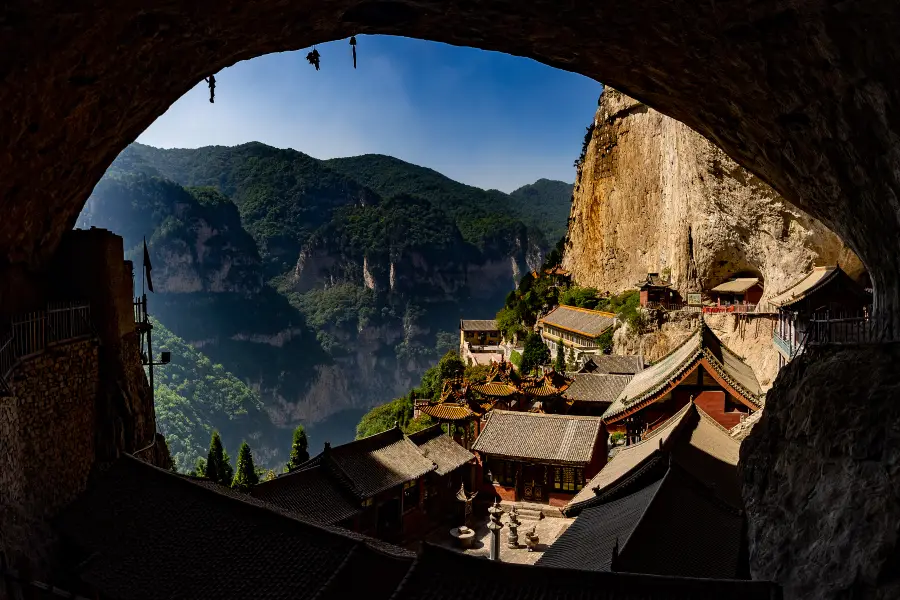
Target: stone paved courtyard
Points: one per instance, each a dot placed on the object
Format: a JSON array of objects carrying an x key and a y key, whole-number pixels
[{"x": 547, "y": 529}]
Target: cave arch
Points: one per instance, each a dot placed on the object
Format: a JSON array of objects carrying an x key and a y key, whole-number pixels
[{"x": 804, "y": 94}]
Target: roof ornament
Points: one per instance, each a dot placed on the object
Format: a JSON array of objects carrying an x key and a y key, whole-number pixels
[{"x": 353, "y": 47}]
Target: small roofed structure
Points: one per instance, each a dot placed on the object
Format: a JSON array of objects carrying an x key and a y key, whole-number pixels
[
  {"x": 613, "y": 365},
  {"x": 501, "y": 388},
  {"x": 453, "y": 469},
  {"x": 540, "y": 457},
  {"x": 578, "y": 330},
  {"x": 656, "y": 291},
  {"x": 825, "y": 293},
  {"x": 740, "y": 291},
  {"x": 701, "y": 369},
  {"x": 593, "y": 393},
  {"x": 479, "y": 332},
  {"x": 383, "y": 474}
]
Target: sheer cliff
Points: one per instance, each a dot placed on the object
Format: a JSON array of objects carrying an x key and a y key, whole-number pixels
[{"x": 654, "y": 196}]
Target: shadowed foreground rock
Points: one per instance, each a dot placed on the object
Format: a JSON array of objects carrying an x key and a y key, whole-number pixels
[{"x": 821, "y": 474}]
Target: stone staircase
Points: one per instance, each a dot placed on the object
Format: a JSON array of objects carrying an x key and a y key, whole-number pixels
[{"x": 530, "y": 511}]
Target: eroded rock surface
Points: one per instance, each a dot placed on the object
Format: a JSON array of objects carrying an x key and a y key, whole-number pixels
[
  {"x": 821, "y": 473},
  {"x": 655, "y": 196}
]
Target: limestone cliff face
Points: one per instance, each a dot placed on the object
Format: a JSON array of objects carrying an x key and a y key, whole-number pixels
[{"x": 653, "y": 195}]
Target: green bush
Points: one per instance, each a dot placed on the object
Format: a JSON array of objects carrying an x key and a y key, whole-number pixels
[{"x": 516, "y": 359}]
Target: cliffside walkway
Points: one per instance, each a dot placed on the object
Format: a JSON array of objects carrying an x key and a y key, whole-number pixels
[{"x": 31, "y": 333}]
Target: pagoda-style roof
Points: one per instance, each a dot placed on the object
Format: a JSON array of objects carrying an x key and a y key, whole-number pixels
[
  {"x": 448, "y": 411},
  {"x": 478, "y": 325},
  {"x": 675, "y": 524},
  {"x": 583, "y": 321},
  {"x": 454, "y": 390},
  {"x": 144, "y": 533},
  {"x": 703, "y": 346},
  {"x": 553, "y": 438},
  {"x": 818, "y": 279},
  {"x": 596, "y": 387},
  {"x": 500, "y": 382},
  {"x": 653, "y": 280},
  {"x": 736, "y": 286},
  {"x": 695, "y": 440},
  {"x": 549, "y": 384},
  {"x": 441, "y": 449},
  {"x": 607, "y": 363},
  {"x": 312, "y": 494}
]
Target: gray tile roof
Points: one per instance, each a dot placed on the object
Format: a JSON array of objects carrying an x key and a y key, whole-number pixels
[
  {"x": 607, "y": 363},
  {"x": 443, "y": 574},
  {"x": 441, "y": 449},
  {"x": 674, "y": 525},
  {"x": 551, "y": 438},
  {"x": 590, "y": 323},
  {"x": 702, "y": 344},
  {"x": 312, "y": 494},
  {"x": 596, "y": 387},
  {"x": 377, "y": 463},
  {"x": 478, "y": 325},
  {"x": 697, "y": 443},
  {"x": 152, "y": 535},
  {"x": 736, "y": 286}
]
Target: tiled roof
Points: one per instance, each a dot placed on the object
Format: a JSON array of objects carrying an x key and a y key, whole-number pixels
[
  {"x": 494, "y": 389},
  {"x": 595, "y": 387},
  {"x": 702, "y": 344},
  {"x": 377, "y": 463},
  {"x": 811, "y": 283},
  {"x": 618, "y": 365},
  {"x": 311, "y": 494},
  {"x": 478, "y": 325},
  {"x": 442, "y": 574},
  {"x": 697, "y": 443},
  {"x": 152, "y": 535},
  {"x": 554, "y": 438},
  {"x": 627, "y": 460},
  {"x": 441, "y": 449},
  {"x": 447, "y": 411},
  {"x": 736, "y": 286},
  {"x": 550, "y": 384},
  {"x": 590, "y": 323},
  {"x": 674, "y": 525},
  {"x": 653, "y": 280}
]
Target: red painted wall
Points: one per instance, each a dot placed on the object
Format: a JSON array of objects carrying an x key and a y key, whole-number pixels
[
  {"x": 754, "y": 294},
  {"x": 713, "y": 404},
  {"x": 644, "y": 298},
  {"x": 599, "y": 457},
  {"x": 506, "y": 493}
]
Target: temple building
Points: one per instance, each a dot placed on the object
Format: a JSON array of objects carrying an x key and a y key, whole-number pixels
[
  {"x": 825, "y": 294},
  {"x": 670, "y": 503},
  {"x": 577, "y": 329},
  {"x": 558, "y": 276},
  {"x": 738, "y": 292},
  {"x": 454, "y": 469},
  {"x": 479, "y": 342},
  {"x": 593, "y": 393},
  {"x": 501, "y": 388},
  {"x": 612, "y": 365},
  {"x": 656, "y": 291},
  {"x": 539, "y": 457},
  {"x": 458, "y": 410},
  {"x": 375, "y": 486},
  {"x": 702, "y": 370}
]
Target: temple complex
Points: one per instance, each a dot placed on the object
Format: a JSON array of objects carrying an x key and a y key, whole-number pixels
[
  {"x": 826, "y": 294},
  {"x": 700, "y": 370},
  {"x": 593, "y": 393},
  {"x": 376, "y": 485},
  {"x": 540, "y": 457}
]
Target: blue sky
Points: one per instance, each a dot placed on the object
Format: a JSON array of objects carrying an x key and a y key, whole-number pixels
[{"x": 483, "y": 118}]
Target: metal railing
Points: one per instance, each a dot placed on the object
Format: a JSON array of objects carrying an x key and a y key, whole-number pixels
[
  {"x": 787, "y": 348},
  {"x": 825, "y": 328},
  {"x": 33, "y": 332}
]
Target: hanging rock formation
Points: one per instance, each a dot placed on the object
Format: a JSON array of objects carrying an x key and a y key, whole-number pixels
[{"x": 653, "y": 195}]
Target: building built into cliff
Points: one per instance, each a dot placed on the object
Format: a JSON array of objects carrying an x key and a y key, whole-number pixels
[
  {"x": 740, "y": 293},
  {"x": 701, "y": 370},
  {"x": 656, "y": 291},
  {"x": 825, "y": 304},
  {"x": 480, "y": 342},
  {"x": 577, "y": 330},
  {"x": 376, "y": 485},
  {"x": 539, "y": 457}
]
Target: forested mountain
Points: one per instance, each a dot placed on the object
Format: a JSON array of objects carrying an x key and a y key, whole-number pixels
[
  {"x": 545, "y": 203},
  {"x": 323, "y": 285}
]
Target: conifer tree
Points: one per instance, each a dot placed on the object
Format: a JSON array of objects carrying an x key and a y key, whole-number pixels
[
  {"x": 560, "y": 364},
  {"x": 245, "y": 476},
  {"x": 570, "y": 361},
  {"x": 299, "y": 450},
  {"x": 218, "y": 463}
]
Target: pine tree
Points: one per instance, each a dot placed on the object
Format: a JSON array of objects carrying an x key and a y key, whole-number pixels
[
  {"x": 199, "y": 468},
  {"x": 299, "y": 450},
  {"x": 560, "y": 364},
  {"x": 245, "y": 476},
  {"x": 218, "y": 463},
  {"x": 571, "y": 360}
]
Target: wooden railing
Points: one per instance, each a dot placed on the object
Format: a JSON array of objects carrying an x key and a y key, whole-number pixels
[
  {"x": 733, "y": 308},
  {"x": 840, "y": 328},
  {"x": 32, "y": 332}
]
